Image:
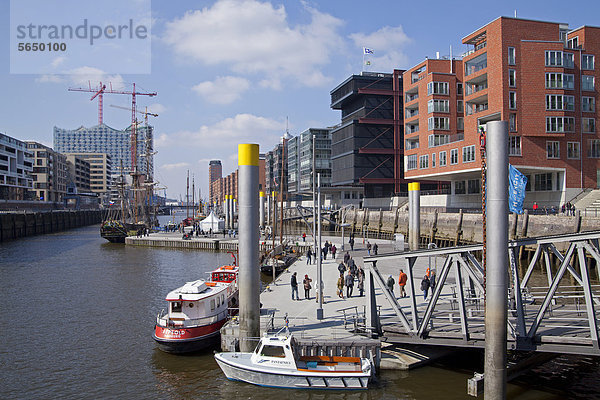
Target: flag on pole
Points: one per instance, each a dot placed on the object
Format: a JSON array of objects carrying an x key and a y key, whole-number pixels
[
  {"x": 516, "y": 190},
  {"x": 366, "y": 50}
]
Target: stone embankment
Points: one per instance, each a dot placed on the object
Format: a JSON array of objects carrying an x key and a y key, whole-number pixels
[{"x": 14, "y": 225}]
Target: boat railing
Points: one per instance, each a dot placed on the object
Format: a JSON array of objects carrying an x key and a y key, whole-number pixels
[{"x": 160, "y": 320}]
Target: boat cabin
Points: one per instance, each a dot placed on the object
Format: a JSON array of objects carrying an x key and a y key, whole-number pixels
[
  {"x": 226, "y": 273},
  {"x": 275, "y": 351},
  {"x": 197, "y": 299}
]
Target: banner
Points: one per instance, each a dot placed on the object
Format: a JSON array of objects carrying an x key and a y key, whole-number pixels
[{"x": 516, "y": 190}]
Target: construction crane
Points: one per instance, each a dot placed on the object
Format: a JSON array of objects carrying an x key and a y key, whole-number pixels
[{"x": 144, "y": 113}]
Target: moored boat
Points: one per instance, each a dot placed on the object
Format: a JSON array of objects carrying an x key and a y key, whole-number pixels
[
  {"x": 275, "y": 363},
  {"x": 197, "y": 311}
]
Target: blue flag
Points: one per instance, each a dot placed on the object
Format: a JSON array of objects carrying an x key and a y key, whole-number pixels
[{"x": 516, "y": 190}]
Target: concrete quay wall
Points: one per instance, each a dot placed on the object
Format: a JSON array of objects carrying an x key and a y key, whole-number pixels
[
  {"x": 16, "y": 225},
  {"x": 462, "y": 228}
]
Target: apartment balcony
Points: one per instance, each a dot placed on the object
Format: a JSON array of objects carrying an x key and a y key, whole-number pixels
[
  {"x": 477, "y": 105},
  {"x": 475, "y": 64},
  {"x": 411, "y": 112},
  {"x": 410, "y": 97},
  {"x": 409, "y": 129},
  {"x": 475, "y": 85}
]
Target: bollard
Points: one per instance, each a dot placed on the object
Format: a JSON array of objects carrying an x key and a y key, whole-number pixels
[
  {"x": 226, "y": 210},
  {"x": 497, "y": 261},
  {"x": 262, "y": 209},
  {"x": 414, "y": 210},
  {"x": 248, "y": 279}
]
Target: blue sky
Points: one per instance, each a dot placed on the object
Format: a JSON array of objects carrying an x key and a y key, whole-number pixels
[{"x": 231, "y": 71}]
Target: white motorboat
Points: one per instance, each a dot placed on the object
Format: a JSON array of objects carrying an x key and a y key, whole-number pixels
[{"x": 275, "y": 363}]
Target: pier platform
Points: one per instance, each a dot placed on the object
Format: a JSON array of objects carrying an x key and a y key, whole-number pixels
[{"x": 342, "y": 330}]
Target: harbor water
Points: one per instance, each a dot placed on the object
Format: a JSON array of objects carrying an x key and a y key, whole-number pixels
[{"x": 78, "y": 314}]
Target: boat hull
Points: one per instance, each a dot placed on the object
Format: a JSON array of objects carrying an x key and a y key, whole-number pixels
[
  {"x": 291, "y": 379},
  {"x": 189, "y": 339}
]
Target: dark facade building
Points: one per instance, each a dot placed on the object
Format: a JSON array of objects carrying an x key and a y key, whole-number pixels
[
  {"x": 215, "y": 172},
  {"x": 366, "y": 147}
]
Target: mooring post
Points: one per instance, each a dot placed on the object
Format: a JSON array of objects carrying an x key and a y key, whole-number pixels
[
  {"x": 226, "y": 209},
  {"x": 262, "y": 209},
  {"x": 319, "y": 253},
  {"x": 497, "y": 261},
  {"x": 248, "y": 279},
  {"x": 414, "y": 221}
]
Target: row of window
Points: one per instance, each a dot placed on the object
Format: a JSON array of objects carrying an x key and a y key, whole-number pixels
[
  {"x": 553, "y": 150},
  {"x": 566, "y": 60},
  {"x": 558, "y": 80},
  {"x": 567, "y": 124},
  {"x": 559, "y": 102},
  {"x": 415, "y": 161}
]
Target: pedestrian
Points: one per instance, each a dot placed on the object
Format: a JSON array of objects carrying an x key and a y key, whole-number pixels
[
  {"x": 307, "y": 287},
  {"x": 432, "y": 281},
  {"x": 368, "y": 247},
  {"x": 351, "y": 241},
  {"x": 352, "y": 266},
  {"x": 402, "y": 283},
  {"x": 535, "y": 207},
  {"x": 341, "y": 268},
  {"x": 425, "y": 286},
  {"x": 308, "y": 256},
  {"x": 333, "y": 250},
  {"x": 325, "y": 250},
  {"x": 349, "y": 285},
  {"x": 375, "y": 248},
  {"x": 361, "y": 281},
  {"x": 390, "y": 284},
  {"x": 346, "y": 258},
  {"x": 304, "y": 237},
  {"x": 340, "y": 286},
  {"x": 294, "y": 284}
]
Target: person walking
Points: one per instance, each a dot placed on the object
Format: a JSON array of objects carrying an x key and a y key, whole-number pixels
[
  {"x": 346, "y": 258},
  {"x": 294, "y": 284},
  {"x": 352, "y": 266},
  {"x": 333, "y": 250},
  {"x": 341, "y": 268},
  {"x": 361, "y": 281},
  {"x": 351, "y": 241},
  {"x": 402, "y": 283},
  {"x": 307, "y": 287},
  {"x": 349, "y": 285},
  {"x": 340, "y": 286},
  {"x": 425, "y": 283},
  {"x": 432, "y": 281},
  {"x": 375, "y": 248},
  {"x": 535, "y": 207},
  {"x": 325, "y": 250},
  {"x": 390, "y": 284},
  {"x": 304, "y": 237},
  {"x": 308, "y": 256},
  {"x": 368, "y": 247}
]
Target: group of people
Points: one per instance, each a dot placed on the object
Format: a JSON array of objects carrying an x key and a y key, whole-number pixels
[
  {"x": 428, "y": 282},
  {"x": 306, "y": 283},
  {"x": 327, "y": 248},
  {"x": 349, "y": 273},
  {"x": 568, "y": 209}
]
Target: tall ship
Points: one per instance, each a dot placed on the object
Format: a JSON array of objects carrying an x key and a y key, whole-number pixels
[{"x": 196, "y": 312}]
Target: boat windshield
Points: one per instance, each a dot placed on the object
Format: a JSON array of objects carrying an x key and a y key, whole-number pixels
[{"x": 272, "y": 351}]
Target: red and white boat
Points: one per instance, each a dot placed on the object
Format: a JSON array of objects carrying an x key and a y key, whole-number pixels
[{"x": 197, "y": 311}]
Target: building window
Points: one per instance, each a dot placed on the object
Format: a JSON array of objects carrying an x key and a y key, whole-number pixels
[
  {"x": 442, "y": 158},
  {"x": 573, "y": 43},
  {"x": 568, "y": 81},
  {"x": 512, "y": 100},
  {"x": 552, "y": 149},
  {"x": 512, "y": 56},
  {"x": 512, "y": 78},
  {"x": 573, "y": 150},
  {"x": 459, "y": 89},
  {"x": 433, "y": 160},
  {"x": 424, "y": 162},
  {"x": 460, "y": 124},
  {"x": 437, "y": 140},
  {"x": 554, "y": 58},
  {"x": 568, "y": 60},
  {"x": 438, "y": 106},
  {"x": 569, "y": 124},
  {"x": 554, "y": 80},
  {"x": 460, "y": 106},
  {"x": 438, "y": 123},
  {"x": 554, "y": 124},
  {"x": 588, "y": 104},
  {"x": 569, "y": 103},
  {"x": 514, "y": 145},
  {"x": 437, "y": 88},
  {"x": 473, "y": 186},
  {"x": 459, "y": 187},
  {"x": 589, "y": 125},
  {"x": 411, "y": 162},
  {"x": 468, "y": 154},
  {"x": 543, "y": 181},
  {"x": 512, "y": 122},
  {"x": 453, "y": 156},
  {"x": 594, "y": 148},
  {"x": 554, "y": 102},
  {"x": 587, "y": 82},
  {"x": 587, "y": 62}
]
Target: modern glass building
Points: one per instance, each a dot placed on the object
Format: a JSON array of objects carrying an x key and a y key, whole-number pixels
[{"x": 114, "y": 142}]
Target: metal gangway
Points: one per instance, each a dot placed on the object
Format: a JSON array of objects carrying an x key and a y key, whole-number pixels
[{"x": 558, "y": 317}]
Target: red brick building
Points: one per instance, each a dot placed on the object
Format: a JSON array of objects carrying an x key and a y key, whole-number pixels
[{"x": 540, "y": 77}]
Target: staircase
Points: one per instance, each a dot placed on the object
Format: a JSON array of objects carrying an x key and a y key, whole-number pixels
[{"x": 588, "y": 204}]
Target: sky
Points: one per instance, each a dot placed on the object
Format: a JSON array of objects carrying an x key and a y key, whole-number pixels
[{"x": 241, "y": 71}]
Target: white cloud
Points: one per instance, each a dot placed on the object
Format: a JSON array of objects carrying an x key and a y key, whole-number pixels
[
  {"x": 83, "y": 76},
  {"x": 155, "y": 108},
  {"x": 253, "y": 37},
  {"x": 223, "y": 90},
  {"x": 170, "y": 167},
  {"x": 387, "y": 44},
  {"x": 48, "y": 78},
  {"x": 226, "y": 134}
]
